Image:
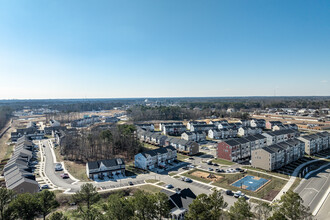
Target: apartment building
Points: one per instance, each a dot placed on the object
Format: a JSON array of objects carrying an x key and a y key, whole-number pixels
[
  {"x": 239, "y": 149},
  {"x": 315, "y": 143},
  {"x": 155, "y": 158},
  {"x": 277, "y": 155},
  {"x": 274, "y": 137}
]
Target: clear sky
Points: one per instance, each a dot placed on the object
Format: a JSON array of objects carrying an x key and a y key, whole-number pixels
[{"x": 163, "y": 48}]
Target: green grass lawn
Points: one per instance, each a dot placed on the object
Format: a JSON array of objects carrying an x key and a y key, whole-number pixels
[
  {"x": 149, "y": 188},
  {"x": 151, "y": 181},
  {"x": 161, "y": 184},
  {"x": 266, "y": 171},
  {"x": 181, "y": 156},
  {"x": 172, "y": 174},
  {"x": 222, "y": 161},
  {"x": 149, "y": 146},
  {"x": 295, "y": 183},
  {"x": 9, "y": 151}
]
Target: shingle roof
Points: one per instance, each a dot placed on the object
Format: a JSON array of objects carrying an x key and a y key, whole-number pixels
[
  {"x": 161, "y": 150},
  {"x": 108, "y": 163}
]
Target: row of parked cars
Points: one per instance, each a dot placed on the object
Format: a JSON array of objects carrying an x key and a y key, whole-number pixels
[
  {"x": 237, "y": 194},
  {"x": 58, "y": 167}
]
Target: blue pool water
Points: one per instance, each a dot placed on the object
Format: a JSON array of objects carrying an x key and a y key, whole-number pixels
[{"x": 250, "y": 182}]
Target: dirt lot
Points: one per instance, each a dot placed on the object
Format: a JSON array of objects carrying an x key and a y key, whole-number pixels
[{"x": 206, "y": 176}]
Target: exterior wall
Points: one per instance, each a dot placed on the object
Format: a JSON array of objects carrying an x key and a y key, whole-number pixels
[
  {"x": 224, "y": 151},
  {"x": 26, "y": 187},
  {"x": 261, "y": 159}
]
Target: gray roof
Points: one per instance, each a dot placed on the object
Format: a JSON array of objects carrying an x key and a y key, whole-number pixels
[
  {"x": 182, "y": 199},
  {"x": 108, "y": 163},
  {"x": 161, "y": 150}
]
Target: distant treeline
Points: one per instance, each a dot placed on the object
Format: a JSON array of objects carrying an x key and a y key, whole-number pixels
[
  {"x": 261, "y": 103},
  {"x": 145, "y": 113},
  {"x": 88, "y": 145},
  {"x": 5, "y": 114}
]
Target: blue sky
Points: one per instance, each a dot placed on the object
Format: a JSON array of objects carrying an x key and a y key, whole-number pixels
[{"x": 168, "y": 48}]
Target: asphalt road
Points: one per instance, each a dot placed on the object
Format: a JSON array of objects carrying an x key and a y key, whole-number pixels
[
  {"x": 312, "y": 190},
  {"x": 324, "y": 212},
  {"x": 55, "y": 176}
]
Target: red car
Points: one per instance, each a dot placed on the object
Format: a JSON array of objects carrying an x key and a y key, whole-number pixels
[{"x": 65, "y": 175}]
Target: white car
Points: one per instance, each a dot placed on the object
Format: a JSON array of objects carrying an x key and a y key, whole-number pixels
[{"x": 190, "y": 166}]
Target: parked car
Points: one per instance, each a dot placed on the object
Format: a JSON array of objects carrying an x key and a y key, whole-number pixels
[
  {"x": 229, "y": 192},
  {"x": 238, "y": 194},
  {"x": 191, "y": 158},
  {"x": 209, "y": 163},
  {"x": 188, "y": 180},
  {"x": 169, "y": 186},
  {"x": 210, "y": 169},
  {"x": 185, "y": 168},
  {"x": 65, "y": 175},
  {"x": 130, "y": 183},
  {"x": 44, "y": 187},
  {"x": 58, "y": 167},
  {"x": 215, "y": 164},
  {"x": 190, "y": 166}
]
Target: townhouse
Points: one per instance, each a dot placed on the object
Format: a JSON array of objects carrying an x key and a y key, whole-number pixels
[
  {"x": 18, "y": 171},
  {"x": 239, "y": 149},
  {"x": 270, "y": 124},
  {"x": 183, "y": 146},
  {"x": 163, "y": 124},
  {"x": 105, "y": 168},
  {"x": 146, "y": 126},
  {"x": 277, "y": 155},
  {"x": 245, "y": 131},
  {"x": 190, "y": 123},
  {"x": 204, "y": 127},
  {"x": 155, "y": 158},
  {"x": 86, "y": 121},
  {"x": 274, "y": 137},
  {"x": 258, "y": 123},
  {"x": 188, "y": 136},
  {"x": 215, "y": 133},
  {"x": 174, "y": 130},
  {"x": 155, "y": 138},
  {"x": 31, "y": 131}
]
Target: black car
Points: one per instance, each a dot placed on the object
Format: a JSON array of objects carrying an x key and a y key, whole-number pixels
[
  {"x": 185, "y": 168},
  {"x": 130, "y": 183},
  {"x": 209, "y": 163},
  {"x": 191, "y": 158},
  {"x": 238, "y": 169},
  {"x": 229, "y": 192},
  {"x": 215, "y": 164}
]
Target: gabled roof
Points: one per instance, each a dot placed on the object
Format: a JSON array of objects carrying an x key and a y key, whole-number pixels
[
  {"x": 232, "y": 142},
  {"x": 108, "y": 163},
  {"x": 182, "y": 199},
  {"x": 161, "y": 150}
]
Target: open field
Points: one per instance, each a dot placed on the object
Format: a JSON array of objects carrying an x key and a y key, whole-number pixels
[
  {"x": 206, "y": 176},
  {"x": 5, "y": 152},
  {"x": 149, "y": 188},
  {"x": 151, "y": 181},
  {"x": 78, "y": 170}
]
